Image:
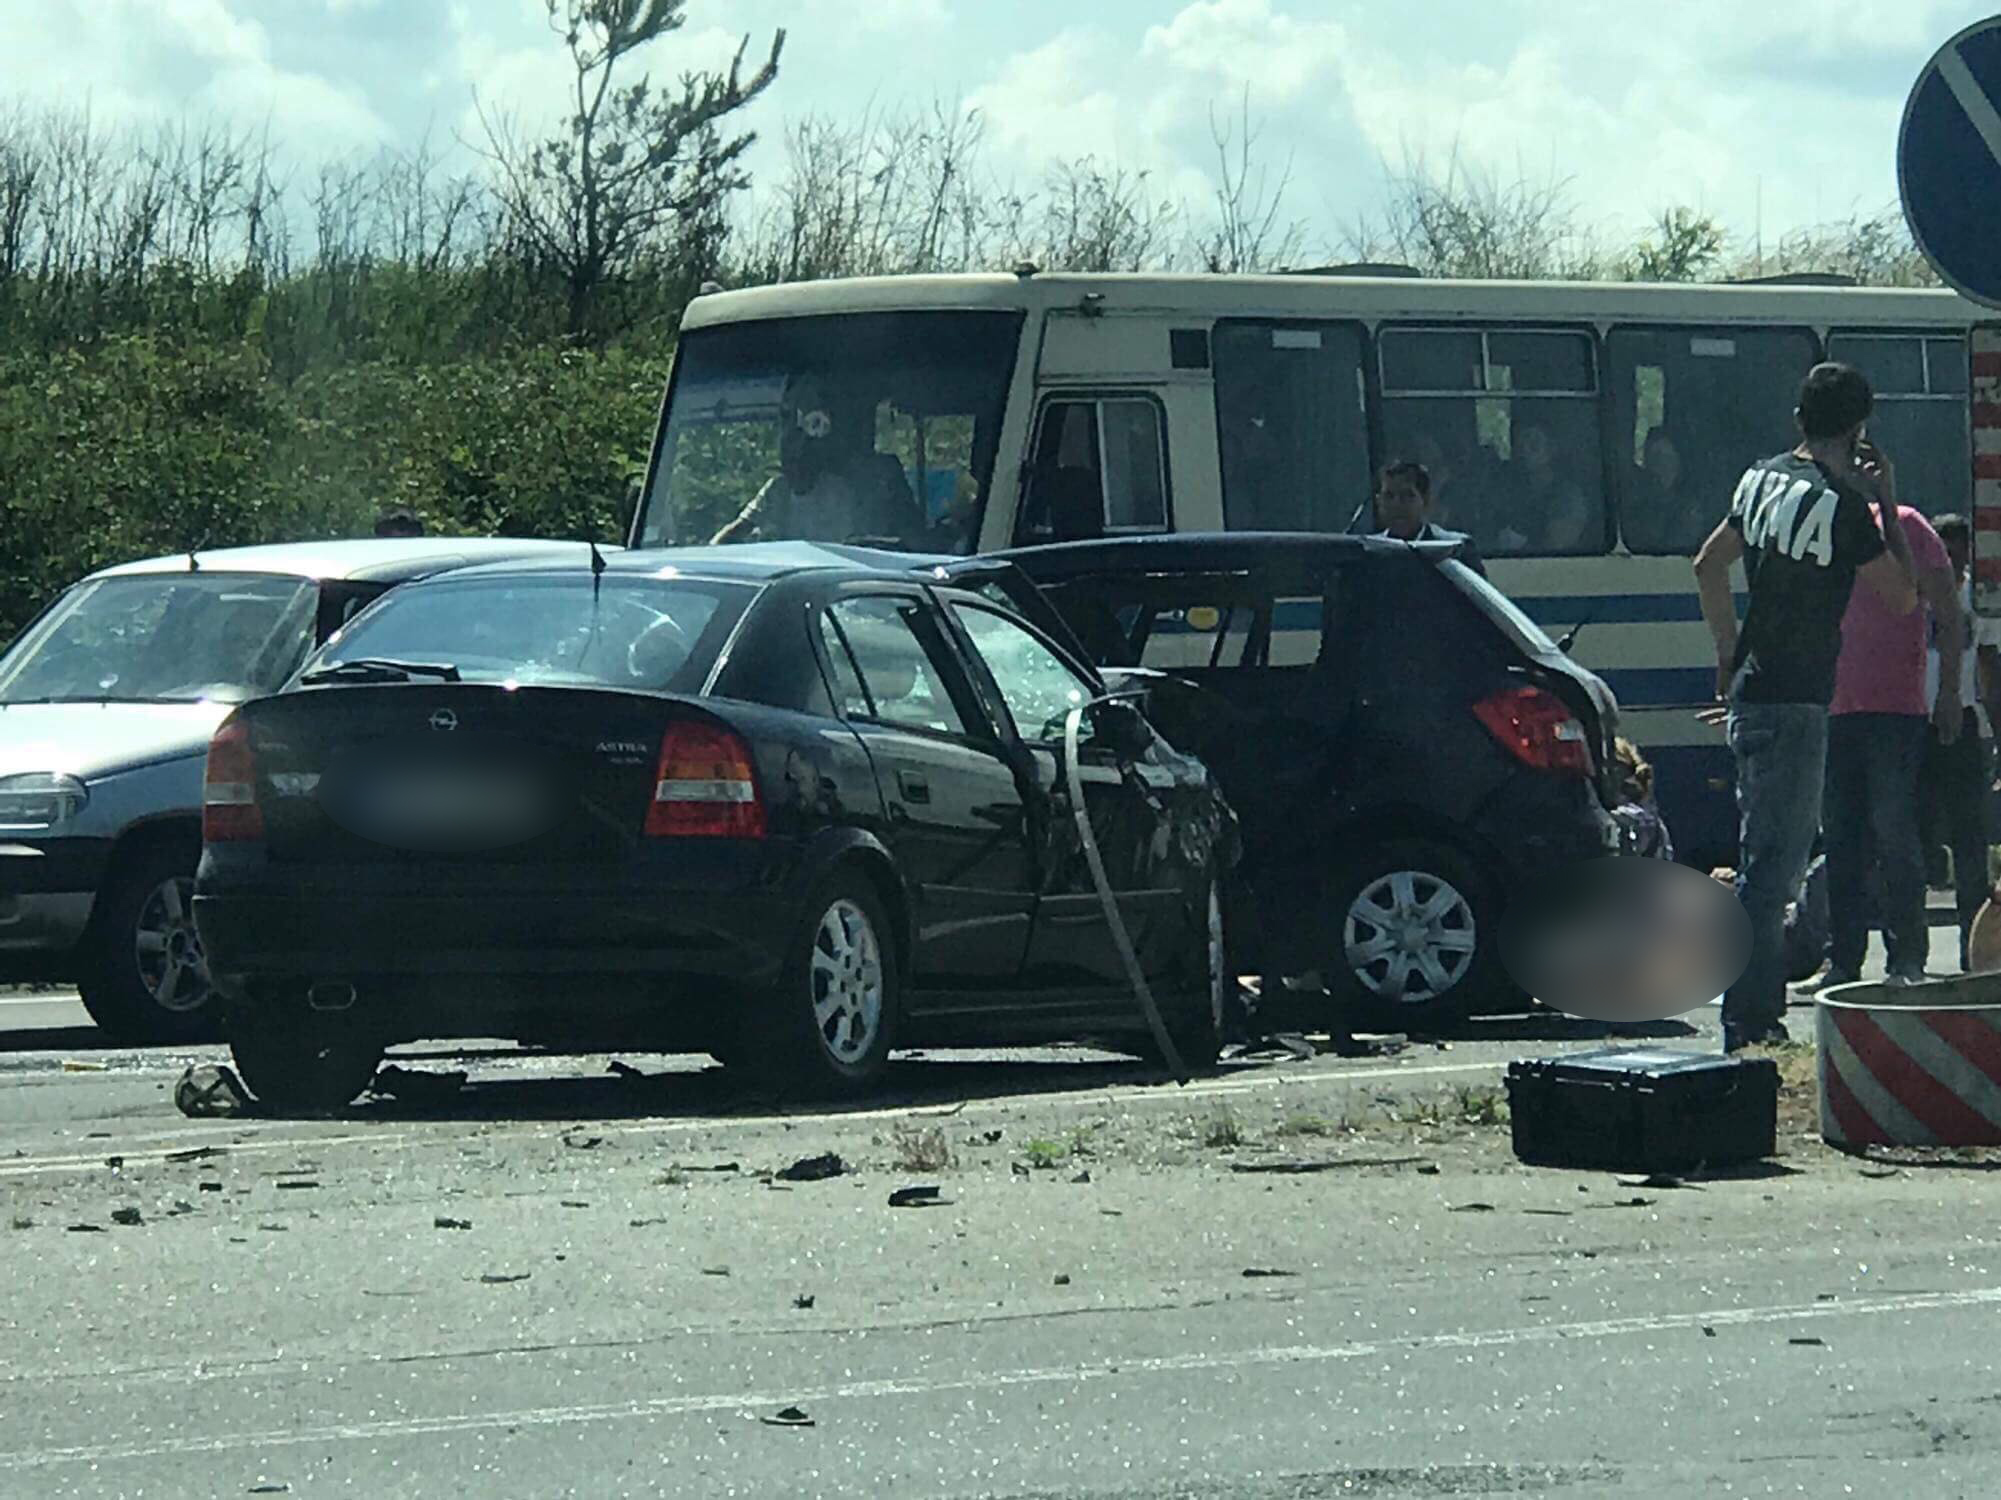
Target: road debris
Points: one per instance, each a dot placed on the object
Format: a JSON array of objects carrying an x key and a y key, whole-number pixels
[
  {"x": 299, "y": 1182},
  {"x": 917, "y": 1197},
  {"x": 1809, "y": 1342},
  {"x": 715, "y": 1270},
  {"x": 441, "y": 1222},
  {"x": 791, "y": 1416},
  {"x": 1083, "y": 1176},
  {"x": 644, "y": 1223},
  {"x": 87, "y": 1229},
  {"x": 269, "y": 1489},
  {"x": 208, "y": 1187},
  {"x": 20, "y": 1223},
  {"x": 721, "y": 1166},
  {"x": 83, "y": 1065},
  {"x": 583, "y": 1142},
  {"x": 1660, "y": 1181},
  {"x": 116, "y": 1163},
  {"x": 1060, "y": 1279},
  {"x": 1708, "y": 1332},
  {"x": 574, "y": 1203},
  {"x": 804, "y": 1302},
  {"x": 195, "y": 1153},
  {"x": 1471, "y": 1208},
  {"x": 1260, "y": 1272},
  {"x": 1299, "y": 1168},
  {"x": 497, "y": 1278},
  {"x": 127, "y": 1216},
  {"x": 210, "y": 1091},
  {"x": 814, "y": 1168},
  {"x": 416, "y": 1086},
  {"x": 181, "y": 1206}
]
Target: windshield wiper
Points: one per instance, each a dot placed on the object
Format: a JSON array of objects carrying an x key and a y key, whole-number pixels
[{"x": 380, "y": 669}]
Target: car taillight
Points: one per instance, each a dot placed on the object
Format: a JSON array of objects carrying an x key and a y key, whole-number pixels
[
  {"x": 229, "y": 810},
  {"x": 705, "y": 786},
  {"x": 1539, "y": 729}
]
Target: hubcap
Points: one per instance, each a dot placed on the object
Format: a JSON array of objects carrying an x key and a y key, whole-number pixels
[
  {"x": 846, "y": 980},
  {"x": 1410, "y": 936},
  {"x": 172, "y": 965}
]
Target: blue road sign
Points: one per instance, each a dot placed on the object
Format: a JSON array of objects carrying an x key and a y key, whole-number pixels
[{"x": 1949, "y": 162}]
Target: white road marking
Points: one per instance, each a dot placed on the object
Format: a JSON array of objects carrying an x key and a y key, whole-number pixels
[
  {"x": 1064, "y": 1375},
  {"x": 110, "y": 1146},
  {"x": 1972, "y": 98}
]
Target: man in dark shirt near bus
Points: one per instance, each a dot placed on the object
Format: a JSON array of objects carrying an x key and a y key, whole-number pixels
[{"x": 1801, "y": 524}]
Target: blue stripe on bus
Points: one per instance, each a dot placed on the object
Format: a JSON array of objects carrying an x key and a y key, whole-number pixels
[
  {"x": 1614, "y": 609},
  {"x": 1660, "y": 687}
]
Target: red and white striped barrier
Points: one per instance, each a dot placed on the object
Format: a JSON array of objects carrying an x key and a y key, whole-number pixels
[
  {"x": 1911, "y": 1066},
  {"x": 1984, "y": 345}
]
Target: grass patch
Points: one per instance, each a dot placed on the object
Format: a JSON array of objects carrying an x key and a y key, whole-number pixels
[
  {"x": 1222, "y": 1132},
  {"x": 1045, "y": 1156},
  {"x": 1476, "y": 1105},
  {"x": 920, "y": 1148}
]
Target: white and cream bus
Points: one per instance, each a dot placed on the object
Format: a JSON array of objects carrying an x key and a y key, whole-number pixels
[{"x": 1586, "y": 435}]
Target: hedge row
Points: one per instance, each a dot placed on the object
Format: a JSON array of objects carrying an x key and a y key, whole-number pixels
[{"x": 138, "y": 444}]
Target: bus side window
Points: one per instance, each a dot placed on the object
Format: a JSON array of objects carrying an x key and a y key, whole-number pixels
[
  {"x": 1692, "y": 408},
  {"x": 1921, "y": 414},
  {"x": 1507, "y": 420},
  {"x": 1099, "y": 466},
  {"x": 1291, "y": 423}
]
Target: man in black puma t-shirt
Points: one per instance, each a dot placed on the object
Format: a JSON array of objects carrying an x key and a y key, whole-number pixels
[{"x": 1801, "y": 523}]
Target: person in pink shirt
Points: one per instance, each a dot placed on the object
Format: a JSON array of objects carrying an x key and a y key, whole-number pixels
[{"x": 1876, "y": 738}]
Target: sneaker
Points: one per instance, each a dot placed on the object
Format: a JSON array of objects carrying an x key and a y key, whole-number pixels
[
  {"x": 1905, "y": 974},
  {"x": 1828, "y": 977}
]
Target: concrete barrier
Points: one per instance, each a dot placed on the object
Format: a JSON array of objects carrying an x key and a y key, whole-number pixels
[{"x": 1916, "y": 1065}]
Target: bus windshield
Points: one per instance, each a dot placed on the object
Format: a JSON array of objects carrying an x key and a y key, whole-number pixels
[{"x": 872, "y": 428}]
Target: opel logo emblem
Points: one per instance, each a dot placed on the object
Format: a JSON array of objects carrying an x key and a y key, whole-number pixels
[{"x": 444, "y": 718}]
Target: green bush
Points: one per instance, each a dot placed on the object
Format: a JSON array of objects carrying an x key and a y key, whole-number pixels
[{"x": 145, "y": 443}]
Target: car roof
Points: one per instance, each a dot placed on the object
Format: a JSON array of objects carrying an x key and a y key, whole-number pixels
[
  {"x": 1209, "y": 551},
  {"x": 748, "y": 562},
  {"x": 374, "y": 559}
]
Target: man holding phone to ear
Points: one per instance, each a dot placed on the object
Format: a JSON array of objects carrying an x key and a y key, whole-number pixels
[{"x": 1802, "y": 525}]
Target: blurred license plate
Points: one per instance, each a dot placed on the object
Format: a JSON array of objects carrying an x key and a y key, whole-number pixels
[{"x": 457, "y": 800}]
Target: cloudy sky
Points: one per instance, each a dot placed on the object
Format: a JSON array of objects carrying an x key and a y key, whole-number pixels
[{"x": 1771, "y": 114}]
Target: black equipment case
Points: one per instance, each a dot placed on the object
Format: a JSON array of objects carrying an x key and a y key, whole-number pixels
[{"x": 1643, "y": 1109}]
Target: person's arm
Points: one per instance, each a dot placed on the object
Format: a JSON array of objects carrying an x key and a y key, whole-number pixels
[
  {"x": 746, "y": 519},
  {"x": 1941, "y": 595},
  {"x": 1719, "y": 611},
  {"x": 1893, "y": 576}
]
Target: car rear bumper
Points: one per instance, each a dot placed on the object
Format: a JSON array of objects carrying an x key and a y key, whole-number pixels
[
  {"x": 47, "y": 889},
  {"x": 498, "y": 953}
]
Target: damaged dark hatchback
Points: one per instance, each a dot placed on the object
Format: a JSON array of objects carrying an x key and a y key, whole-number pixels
[
  {"x": 1402, "y": 745},
  {"x": 776, "y": 803}
]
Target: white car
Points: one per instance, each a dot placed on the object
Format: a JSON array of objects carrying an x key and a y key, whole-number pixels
[{"x": 107, "y": 702}]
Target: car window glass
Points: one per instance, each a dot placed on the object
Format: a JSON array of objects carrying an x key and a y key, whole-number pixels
[
  {"x": 849, "y": 695},
  {"x": 1921, "y": 418},
  {"x": 1038, "y": 688},
  {"x": 897, "y": 672},
  {"x": 1098, "y": 468},
  {"x": 165, "y": 637},
  {"x": 1291, "y": 424},
  {"x": 622, "y": 632},
  {"x": 1692, "y": 408},
  {"x": 1506, "y": 421}
]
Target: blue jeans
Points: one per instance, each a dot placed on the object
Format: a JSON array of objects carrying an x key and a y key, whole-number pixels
[
  {"x": 1781, "y": 754},
  {"x": 1870, "y": 824}
]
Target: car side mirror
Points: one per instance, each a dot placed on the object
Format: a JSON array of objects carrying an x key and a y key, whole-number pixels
[{"x": 1121, "y": 729}]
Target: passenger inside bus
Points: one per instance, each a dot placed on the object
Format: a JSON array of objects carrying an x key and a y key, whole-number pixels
[
  {"x": 1653, "y": 521},
  {"x": 832, "y": 485},
  {"x": 1553, "y": 513}
]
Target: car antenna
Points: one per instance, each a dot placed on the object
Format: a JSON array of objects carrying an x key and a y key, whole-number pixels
[
  {"x": 194, "y": 562},
  {"x": 597, "y": 568}
]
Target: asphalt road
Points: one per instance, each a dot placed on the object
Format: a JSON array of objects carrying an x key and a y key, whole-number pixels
[{"x": 634, "y": 1296}]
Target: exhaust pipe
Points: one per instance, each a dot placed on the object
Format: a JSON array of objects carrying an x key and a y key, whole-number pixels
[{"x": 331, "y": 994}]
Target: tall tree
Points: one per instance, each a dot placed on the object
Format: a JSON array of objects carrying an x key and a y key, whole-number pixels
[{"x": 630, "y": 166}]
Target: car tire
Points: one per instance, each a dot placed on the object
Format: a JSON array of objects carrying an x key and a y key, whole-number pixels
[
  {"x": 141, "y": 972},
  {"x": 1416, "y": 922},
  {"x": 826, "y": 1029},
  {"x": 297, "y": 1061}
]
